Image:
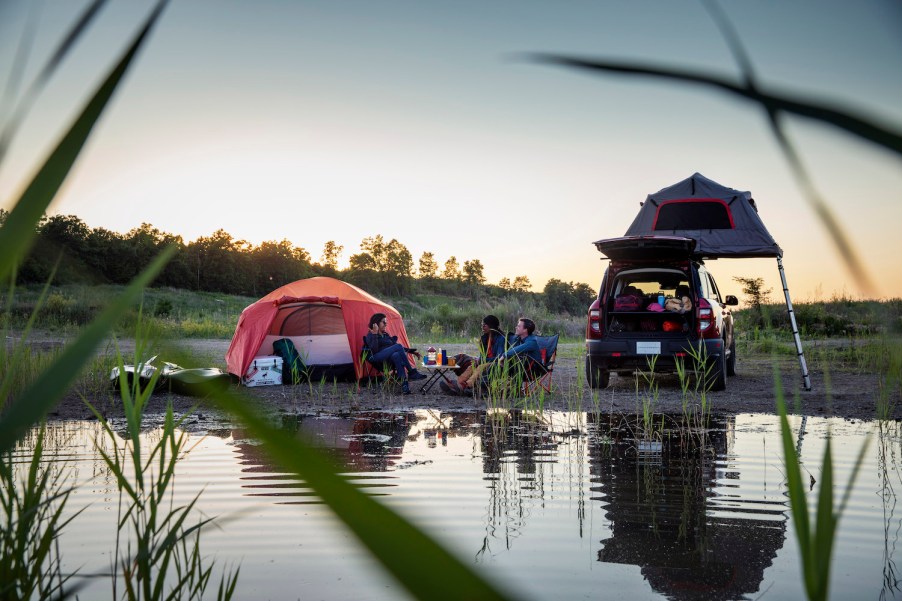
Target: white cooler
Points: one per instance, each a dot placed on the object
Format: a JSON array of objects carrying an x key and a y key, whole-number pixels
[{"x": 264, "y": 370}]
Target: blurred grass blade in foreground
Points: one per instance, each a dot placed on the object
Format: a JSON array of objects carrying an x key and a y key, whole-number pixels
[
  {"x": 857, "y": 125},
  {"x": 410, "y": 555},
  {"x": 815, "y": 541},
  {"x": 18, "y": 232},
  {"x": 27, "y": 101},
  {"x": 31, "y": 406}
]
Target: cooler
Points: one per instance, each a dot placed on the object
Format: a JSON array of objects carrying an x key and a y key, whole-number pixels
[{"x": 264, "y": 370}]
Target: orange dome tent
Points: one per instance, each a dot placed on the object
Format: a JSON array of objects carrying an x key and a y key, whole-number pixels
[{"x": 325, "y": 318}]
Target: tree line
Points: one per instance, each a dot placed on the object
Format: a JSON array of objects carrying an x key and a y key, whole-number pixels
[{"x": 74, "y": 253}]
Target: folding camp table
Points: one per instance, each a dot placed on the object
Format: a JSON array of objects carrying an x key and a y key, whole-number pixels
[{"x": 436, "y": 374}]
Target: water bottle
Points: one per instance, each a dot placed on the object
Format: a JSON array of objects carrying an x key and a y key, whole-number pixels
[{"x": 661, "y": 299}]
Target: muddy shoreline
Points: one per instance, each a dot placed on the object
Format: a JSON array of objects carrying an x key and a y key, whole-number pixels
[{"x": 839, "y": 393}]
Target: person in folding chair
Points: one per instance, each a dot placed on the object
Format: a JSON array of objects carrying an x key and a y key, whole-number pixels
[
  {"x": 521, "y": 356},
  {"x": 385, "y": 350},
  {"x": 492, "y": 343}
]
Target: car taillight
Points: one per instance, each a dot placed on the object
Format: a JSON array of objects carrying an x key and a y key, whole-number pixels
[
  {"x": 707, "y": 323},
  {"x": 594, "y": 329}
]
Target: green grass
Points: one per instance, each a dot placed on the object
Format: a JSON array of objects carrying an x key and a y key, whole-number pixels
[{"x": 31, "y": 508}]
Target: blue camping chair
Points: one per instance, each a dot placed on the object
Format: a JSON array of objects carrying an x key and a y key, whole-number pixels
[{"x": 539, "y": 374}]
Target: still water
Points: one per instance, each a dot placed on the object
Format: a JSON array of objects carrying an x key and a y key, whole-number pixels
[{"x": 558, "y": 505}]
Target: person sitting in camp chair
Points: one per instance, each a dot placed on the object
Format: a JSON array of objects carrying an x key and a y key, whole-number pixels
[
  {"x": 492, "y": 344},
  {"x": 385, "y": 350},
  {"x": 522, "y": 354}
]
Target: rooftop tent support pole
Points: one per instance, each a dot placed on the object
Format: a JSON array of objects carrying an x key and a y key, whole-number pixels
[{"x": 806, "y": 379}]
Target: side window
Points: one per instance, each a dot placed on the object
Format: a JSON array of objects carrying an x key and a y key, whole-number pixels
[
  {"x": 714, "y": 290},
  {"x": 704, "y": 284}
]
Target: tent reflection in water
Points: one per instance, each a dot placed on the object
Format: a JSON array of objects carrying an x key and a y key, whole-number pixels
[
  {"x": 724, "y": 224},
  {"x": 326, "y": 320}
]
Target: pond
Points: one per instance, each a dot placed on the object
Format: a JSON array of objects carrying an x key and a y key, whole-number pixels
[{"x": 552, "y": 505}]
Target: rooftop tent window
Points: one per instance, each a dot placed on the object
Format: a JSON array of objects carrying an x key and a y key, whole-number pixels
[{"x": 694, "y": 214}]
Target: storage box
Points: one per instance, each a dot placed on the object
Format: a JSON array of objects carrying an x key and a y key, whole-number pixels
[{"x": 265, "y": 370}]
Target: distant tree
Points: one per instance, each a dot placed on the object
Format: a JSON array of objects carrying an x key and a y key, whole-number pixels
[
  {"x": 584, "y": 294},
  {"x": 391, "y": 261},
  {"x": 428, "y": 267},
  {"x": 331, "y": 252},
  {"x": 278, "y": 263},
  {"x": 505, "y": 284},
  {"x": 757, "y": 296},
  {"x": 66, "y": 232},
  {"x": 521, "y": 284},
  {"x": 362, "y": 262},
  {"x": 219, "y": 264},
  {"x": 398, "y": 269},
  {"x": 375, "y": 247},
  {"x": 754, "y": 289},
  {"x": 473, "y": 272},
  {"x": 567, "y": 297},
  {"x": 452, "y": 269}
]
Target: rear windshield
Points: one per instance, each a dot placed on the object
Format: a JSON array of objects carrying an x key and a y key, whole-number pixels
[{"x": 651, "y": 283}]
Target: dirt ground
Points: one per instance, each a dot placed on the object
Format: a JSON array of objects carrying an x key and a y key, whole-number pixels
[{"x": 839, "y": 393}]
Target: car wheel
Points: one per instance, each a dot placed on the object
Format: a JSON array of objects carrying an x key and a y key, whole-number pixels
[
  {"x": 597, "y": 377},
  {"x": 731, "y": 360},
  {"x": 717, "y": 376}
]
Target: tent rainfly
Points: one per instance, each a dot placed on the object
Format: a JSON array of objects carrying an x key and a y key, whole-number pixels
[
  {"x": 325, "y": 318},
  {"x": 724, "y": 224}
]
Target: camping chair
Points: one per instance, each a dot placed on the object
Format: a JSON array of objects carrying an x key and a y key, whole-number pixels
[
  {"x": 374, "y": 369},
  {"x": 540, "y": 374}
]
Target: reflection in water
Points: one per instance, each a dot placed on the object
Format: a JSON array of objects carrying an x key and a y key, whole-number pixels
[
  {"x": 666, "y": 518},
  {"x": 513, "y": 444},
  {"x": 888, "y": 473},
  {"x": 366, "y": 443},
  {"x": 700, "y": 513}
]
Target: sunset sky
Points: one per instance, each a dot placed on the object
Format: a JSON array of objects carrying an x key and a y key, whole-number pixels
[{"x": 424, "y": 121}]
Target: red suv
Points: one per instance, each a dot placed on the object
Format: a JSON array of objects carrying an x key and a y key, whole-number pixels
[{"x": 657, "y": 306}]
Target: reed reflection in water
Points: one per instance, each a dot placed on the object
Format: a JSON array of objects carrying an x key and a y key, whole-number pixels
[{"x": 557, "y": 505}]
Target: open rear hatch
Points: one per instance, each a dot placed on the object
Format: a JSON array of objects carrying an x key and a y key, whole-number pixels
[{"x": 646, "y": 248}]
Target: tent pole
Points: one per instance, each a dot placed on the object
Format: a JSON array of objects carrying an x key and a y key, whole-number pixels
[{"x": 806, "y": 379}]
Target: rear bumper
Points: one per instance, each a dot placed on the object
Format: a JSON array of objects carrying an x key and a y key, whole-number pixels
[{"x": 634, "y": 353}]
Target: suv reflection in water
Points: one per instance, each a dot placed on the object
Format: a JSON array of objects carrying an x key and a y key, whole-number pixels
[{"x": 666, "y": 517}]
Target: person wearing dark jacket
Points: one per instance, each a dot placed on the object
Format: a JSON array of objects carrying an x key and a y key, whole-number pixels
[
  {"x": 522, "y": 350},
  {"x": 386, "y": 349}
]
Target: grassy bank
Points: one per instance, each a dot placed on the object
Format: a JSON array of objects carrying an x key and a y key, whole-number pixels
[{"x": 186, "y": 314}]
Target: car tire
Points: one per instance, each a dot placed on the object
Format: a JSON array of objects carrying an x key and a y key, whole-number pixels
[
  {"x": 597, "y": 377},
  {"x": 731, "y": 360},
  {"x": 717, "y": 377}
]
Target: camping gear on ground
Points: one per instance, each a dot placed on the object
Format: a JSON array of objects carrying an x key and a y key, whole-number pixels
[
  {"x": 264, "y": 370},
  {"x": 174, "y": 378},
  {"x": 723, "y": 222},
  {"x": 323, "y": 317},
  {"x": 293, "y": 369}
]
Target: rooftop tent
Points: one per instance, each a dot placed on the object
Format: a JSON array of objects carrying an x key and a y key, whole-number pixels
[
  {"x": 325, "y": 318},
  {"x": 724, "y": 222}
]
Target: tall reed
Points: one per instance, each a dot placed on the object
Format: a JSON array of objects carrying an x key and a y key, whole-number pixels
[
  {"x": 31, "y": 509},
  {"x": 161, "y": 557},
  {"x": 815, "y": 539}
]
